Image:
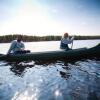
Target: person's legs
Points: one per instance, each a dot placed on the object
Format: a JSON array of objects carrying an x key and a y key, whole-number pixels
[
  {"x": 27, "y": 51},
  {"x": 18, "y": 52},
  {"x": 22, "y": 52}
]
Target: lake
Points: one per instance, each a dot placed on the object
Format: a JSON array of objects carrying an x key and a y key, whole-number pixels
[
  {"x": 59, "y": 80},
  {"x": 50, "y": 45}
]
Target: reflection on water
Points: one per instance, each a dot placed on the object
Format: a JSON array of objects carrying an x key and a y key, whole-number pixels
[
  {"x": 19, "y": 68},
  {"x": 59, "y": 80}
]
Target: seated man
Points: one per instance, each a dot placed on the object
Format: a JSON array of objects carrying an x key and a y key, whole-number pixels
[{"x": 17, "y": 47}]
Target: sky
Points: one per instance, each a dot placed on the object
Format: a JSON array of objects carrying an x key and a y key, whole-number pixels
[{"x": 50, "y": 17}]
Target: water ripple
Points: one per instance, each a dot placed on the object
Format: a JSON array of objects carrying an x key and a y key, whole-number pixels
[{"x": 57, "y": 80}]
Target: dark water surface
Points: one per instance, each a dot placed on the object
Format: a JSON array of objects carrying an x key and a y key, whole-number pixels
[
  {"x": 50, "y": 81},
  {"x": 58, "y": 80}
]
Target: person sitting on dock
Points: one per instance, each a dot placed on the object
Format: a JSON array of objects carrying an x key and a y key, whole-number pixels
[
  {"x": 65, "y": 41},
  {"x": 17, "y": 47}
]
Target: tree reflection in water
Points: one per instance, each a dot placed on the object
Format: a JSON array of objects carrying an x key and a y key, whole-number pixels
[
  {"x": 19, "y": 67},
  {"x": 67, "y": 80}
]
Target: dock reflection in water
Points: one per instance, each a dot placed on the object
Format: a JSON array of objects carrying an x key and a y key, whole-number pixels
[{"x": 58, "y": 80}]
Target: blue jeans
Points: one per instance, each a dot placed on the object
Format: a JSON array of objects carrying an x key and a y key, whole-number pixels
[
  {"x": 65, "y": 47},
  {"x": 22, "y": 52}
]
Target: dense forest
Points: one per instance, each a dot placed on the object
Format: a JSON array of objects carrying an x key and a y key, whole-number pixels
[{"x": 9, "y": 38}]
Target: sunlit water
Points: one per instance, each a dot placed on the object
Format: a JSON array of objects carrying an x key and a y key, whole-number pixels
[
  {"x": 59, "y": 80},
  {"x": 50, "y": 46}
]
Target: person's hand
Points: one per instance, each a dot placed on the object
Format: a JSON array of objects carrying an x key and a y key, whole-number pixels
[
  {"x": 8, "y": 54},
  {"x": 22, "y": 49}
]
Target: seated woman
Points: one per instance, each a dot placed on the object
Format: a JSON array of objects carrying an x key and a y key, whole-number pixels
[
  {"x": 65, "y": 41},
  {"x": 17, "y": 47}
]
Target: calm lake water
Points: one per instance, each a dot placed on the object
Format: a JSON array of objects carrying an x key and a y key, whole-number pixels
[{"x": 59, "y": 80}]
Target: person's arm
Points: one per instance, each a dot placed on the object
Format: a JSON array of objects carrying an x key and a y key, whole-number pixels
[
  {"x": 22, "y": 46},
  {"x": 11, "y": 47},
  {"x": 72, "y": 38},
  {"x": 67, "y": 41}
]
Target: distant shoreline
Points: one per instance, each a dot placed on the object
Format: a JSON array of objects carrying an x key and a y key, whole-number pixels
[{"x": 26, "y": 38}]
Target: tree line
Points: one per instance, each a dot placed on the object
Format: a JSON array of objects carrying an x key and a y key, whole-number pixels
[{"x": 9, "y": 38}]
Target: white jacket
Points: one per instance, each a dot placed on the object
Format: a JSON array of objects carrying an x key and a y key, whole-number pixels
[
  {"x": 16, "y": 46},
  {"x": 67, "y": 40}
]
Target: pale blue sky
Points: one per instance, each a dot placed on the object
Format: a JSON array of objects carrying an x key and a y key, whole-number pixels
[{"x": 50, "y": 17}]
